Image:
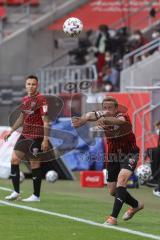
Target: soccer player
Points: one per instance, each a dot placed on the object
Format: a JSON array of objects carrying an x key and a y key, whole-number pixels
[
  {"x": 122, "y": 154},
  {"x": 33, "y": 139}
]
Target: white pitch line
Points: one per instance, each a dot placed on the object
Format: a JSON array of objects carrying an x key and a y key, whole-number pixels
[
  {"x": 6, "y": 189},
  {"x": 151, "y": 236}
]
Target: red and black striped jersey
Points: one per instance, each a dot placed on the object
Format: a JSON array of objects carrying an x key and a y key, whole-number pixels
[
  {"x": 33, "y": 108},
  {"x": 121, "y": 139}
]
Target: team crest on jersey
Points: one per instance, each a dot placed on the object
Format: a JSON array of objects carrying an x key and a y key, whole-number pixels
[
  {"x": 33, "y": 104},
  {"x": 45, "y": 108},
  {"x": 131, "y": 161}
]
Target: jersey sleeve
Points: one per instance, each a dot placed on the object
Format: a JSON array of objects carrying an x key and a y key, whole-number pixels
[
  {"x": 121, "y": 117},
  {"x": 43, "y": 106},
  {"x": 21, "y": 107}
]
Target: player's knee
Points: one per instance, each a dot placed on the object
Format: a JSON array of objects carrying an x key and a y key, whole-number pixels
[
  {"x": 34, "y": 164},
  {"x": 16, "y": 158},
  {"x": 122, "y": 181},
  {"x": 112, "y": 192},
  {"x": 15, "y": 161}
]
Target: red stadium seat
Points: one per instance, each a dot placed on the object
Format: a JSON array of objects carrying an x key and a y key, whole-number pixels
[
  {"x": 2, "y": 2},
  {"x": 3, "y": 13},
  {"x": 33, "y": 2},
  {"x": 19, "y": 2},
  {"x": 14, "y": 2}
]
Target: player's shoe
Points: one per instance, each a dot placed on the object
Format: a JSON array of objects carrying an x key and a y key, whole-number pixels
[
  {"x": 32, "y": 198},
  {"x": 131, "y": 211},
  {"x": 111, "y": 221},
  {"x": 156, "y": 192},
  {"x": 13, "y": 196}
]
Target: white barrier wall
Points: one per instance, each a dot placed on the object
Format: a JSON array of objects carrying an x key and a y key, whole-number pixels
[
  {"x": 142, "y": 73},
  {"x": 6, "y": 149}
]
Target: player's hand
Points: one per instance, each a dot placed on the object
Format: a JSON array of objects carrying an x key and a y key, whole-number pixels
[
  {"x": 45, "y": 145},
  {"x": 78, "y": 121},
  {"x": 100, "y": 123},
  {"x": 7, "y": 135}
]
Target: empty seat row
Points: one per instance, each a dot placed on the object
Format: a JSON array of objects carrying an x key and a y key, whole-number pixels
[
  {"x": 19, "y": 2},
  {"x": 3, "y": 13}
]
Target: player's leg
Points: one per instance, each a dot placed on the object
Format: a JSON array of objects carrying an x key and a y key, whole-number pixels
[
  {"x": 130, "y": 200},
  {"x": 121, "y": 193},
  {"x": 127, "y": 170},
  {"x": 17, "y": 156},
  {"x": 112, "y": 188},
  {"x": 35, "y": 163},
  {"x": 36, "y": 176},
  {"x": 113, "y": 171}
]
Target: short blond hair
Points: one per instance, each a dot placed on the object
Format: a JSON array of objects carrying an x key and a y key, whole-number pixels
[
  {"x": 110, "y": 99},
  {"x": 157, "y": 124}
]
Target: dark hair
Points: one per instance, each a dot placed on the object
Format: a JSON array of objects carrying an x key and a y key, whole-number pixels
[
  {"x": 110, "y": 99},
  {"x": 32, "y": 77}
]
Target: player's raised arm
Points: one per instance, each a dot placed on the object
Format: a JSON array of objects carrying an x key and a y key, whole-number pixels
[
  {"x": 80, "y": 121},
  {"x": 113, "y": 121},
  {"x": 16, "y": 125}
]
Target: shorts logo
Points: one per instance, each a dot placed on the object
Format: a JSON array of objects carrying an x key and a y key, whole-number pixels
[
  {"x": 45, "y": 108},
  {"x": 35, "y": 151}
]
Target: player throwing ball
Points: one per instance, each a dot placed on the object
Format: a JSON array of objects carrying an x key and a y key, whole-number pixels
[{"x": 122, "y": 154}]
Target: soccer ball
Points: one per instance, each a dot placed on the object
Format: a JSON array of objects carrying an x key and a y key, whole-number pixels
[
  {"x": 73, "y": 27},
  {"x": 51, "y": 176},
  {"x": 143, "y": 172}
]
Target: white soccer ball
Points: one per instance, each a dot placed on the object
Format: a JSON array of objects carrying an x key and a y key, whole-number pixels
[
  {"x": 73, "y": 27},
  {"x": 143, "y": 172},
  {"x": 22, "y": 177},
  {"x": 51, "y": 176}
]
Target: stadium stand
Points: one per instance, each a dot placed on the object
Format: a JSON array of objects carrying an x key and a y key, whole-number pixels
[
  {"x": 3, "y": 13},
  {"x": 19, "y": 2},
  {"x": 135, "y": 15}
]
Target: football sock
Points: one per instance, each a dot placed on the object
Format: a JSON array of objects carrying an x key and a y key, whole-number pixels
[
  {"x": 15, "y": 175},
  {"x": 36, "y": 176},
  {"x": 130, "y": 200},
  {"x": 119, "y": 200}
]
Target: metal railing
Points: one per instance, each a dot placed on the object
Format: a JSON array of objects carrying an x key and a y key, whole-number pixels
[
  {"x": 67, "y": 79},
  {"x": 140, "y": 52},
  {"x": 144, "y": 110},
  {"x": 146, "y": 50},
  {"x": 144, "y": 130},
  {"x": 138, "y": 111},
  {"x": 142, "y": 88},
  {"x": 25, "y": 11},
  {"x": 64, "y": 55},
  {"x": 23, "y": 16}
]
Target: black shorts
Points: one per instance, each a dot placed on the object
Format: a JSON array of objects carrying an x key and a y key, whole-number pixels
[
  {"x": 31, "y": 148},
  {"x": 128, "y": 161}
]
